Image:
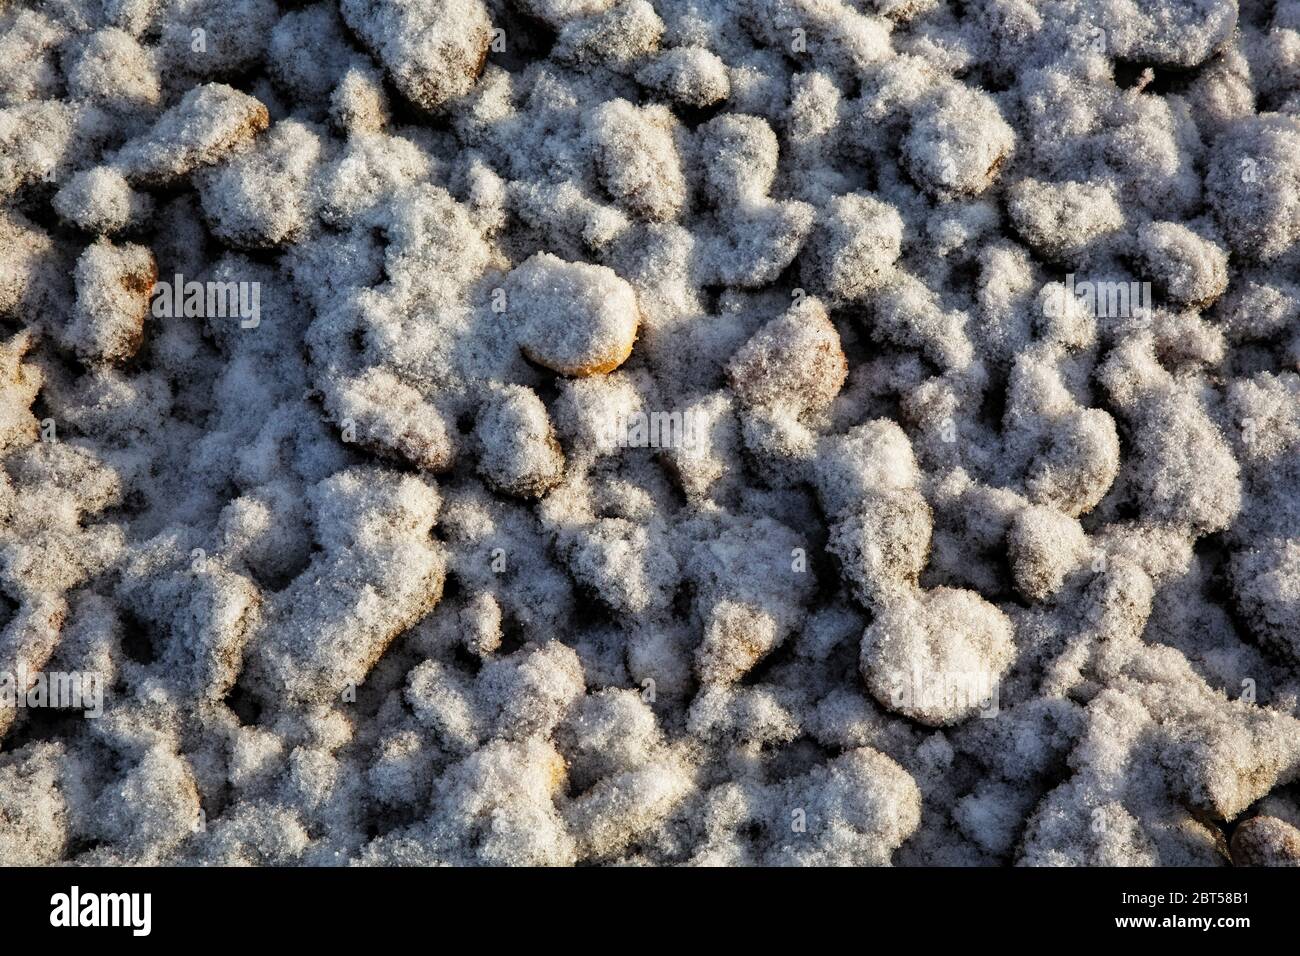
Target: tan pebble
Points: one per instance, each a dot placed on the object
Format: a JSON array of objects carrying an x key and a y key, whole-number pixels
[
  {"x": 573, "y": 318},
  {"x": 1266, "y": 841}
]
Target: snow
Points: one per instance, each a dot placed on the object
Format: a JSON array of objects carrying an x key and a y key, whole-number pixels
[
  {"x": 572, "y": 317},
  {"x": 674, "y": 432}
]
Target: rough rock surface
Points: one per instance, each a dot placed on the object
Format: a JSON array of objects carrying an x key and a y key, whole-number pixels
[{"x": 710, "y": 432}]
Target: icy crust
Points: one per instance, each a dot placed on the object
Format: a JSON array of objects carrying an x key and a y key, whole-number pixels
[
  {"x": 573, "y": 318},
  {"x": 668, "y": 433},
  {"x": 432, "y": 52}
]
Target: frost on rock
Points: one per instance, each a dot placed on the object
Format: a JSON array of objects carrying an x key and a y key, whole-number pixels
[
  {"x": 35, "y": 830},
  {"x": 264, "y": 197},
  {"x": 573, "y": 318},
  {"x": 113, "y": 288},
  {"x": 1189, "y": 270},
  {"x": 206, "y": 126},
  {"x": 358, "y": 103},
  {"x": 20, "y": 383},
  {"x": 953, "y": 639},
  {"x": 624, "y": 432},
  {"x": 372, "y": 578},
  {"x": 110, "y": 66},
  {"x": 100, "y": 200},
  {"x": 794, "y": 360},
  {"x": 1253, "y": 185},
  {"x": 854, "y": 248},
  {"x": 1170, "y": 32},
  {"x": 754, "y": 236},
  {"x": 519, "y": 454},
  {"x": 1266, "y": 841},
  {"x": 1063, "y": 221},
  {"x": 433, "y": 52},
  {"x": 958, "y": 143},
  {"x": 392, "y": 419},
  {"x": 617, "y": 36},
  {"x": 637, "y": 159},
  {"x": 691, "y": 76}
]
